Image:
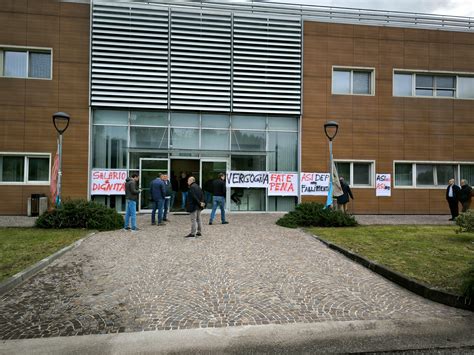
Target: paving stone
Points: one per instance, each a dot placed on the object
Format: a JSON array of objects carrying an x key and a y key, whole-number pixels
[{"x": 248, "y": 272}]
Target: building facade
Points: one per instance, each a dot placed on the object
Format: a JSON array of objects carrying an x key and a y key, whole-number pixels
[{"x": 205, "y": 87}]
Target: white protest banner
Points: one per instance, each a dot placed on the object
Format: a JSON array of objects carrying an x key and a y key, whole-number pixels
[
  {"x": 314, "y": 184},
  {"x": 108, "y": 182},
  {"x": 383, "y": 186},
  {"x": 247, "y": 179},
  {"x": 283, "y": 184}
]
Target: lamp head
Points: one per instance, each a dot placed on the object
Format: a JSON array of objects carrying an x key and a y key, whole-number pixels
[
  {"x": 330, "y": 128},
  {"x": 61, "y": 121}
]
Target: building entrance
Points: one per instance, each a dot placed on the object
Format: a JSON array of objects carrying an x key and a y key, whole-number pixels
[
  {"x": 181, "y": 169},
  {"x": 178, "y": 169}
]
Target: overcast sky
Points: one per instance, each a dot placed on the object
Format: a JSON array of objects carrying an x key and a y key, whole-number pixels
[{"x": 442, "y": 7}]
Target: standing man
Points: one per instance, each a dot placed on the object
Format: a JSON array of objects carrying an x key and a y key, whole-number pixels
[
  {"x": 465, "y": 195},
  {"x": 184, "y": 188},
  {"x": 174, "y": 189},
  {"x": 195, "y": 205},
  {"x": 131, "y": 195},
  {"x": 219, "y": 192},
  {"x": 158, "y": 194},
  {"x": 343, "y": 199},
  {"x": 452, "y": 193},
  {"x": 168, "y": 192}
]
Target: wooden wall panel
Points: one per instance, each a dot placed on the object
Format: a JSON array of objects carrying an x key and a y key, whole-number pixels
[
  {"x": 416, "y": 55},
  {"x": 12, "y": 92},
  {"x": 438, "y": 203},
  {"x": 394, "y": 204},
  {"x": 365, "y": 202},
  {"x": 74, "y": 38},
  {"x": 43, "y": 31},
  {"x": 74, "y": 85},
  {"x": 13, "y": 28},
  {"x": 417, "y": 201},
  {"x": 15, "y": 205}
]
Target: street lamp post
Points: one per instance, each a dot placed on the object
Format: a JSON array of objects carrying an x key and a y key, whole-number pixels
[
  {"x": 61, "y": 123},
  {"x": 330, "y": 129}
]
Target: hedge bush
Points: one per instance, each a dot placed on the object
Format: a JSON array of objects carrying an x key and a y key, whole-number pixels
[
  {"x": 465, "y": 221},
  {"x": 312, "y": 214},
  {"x": 81, "y": 214}
]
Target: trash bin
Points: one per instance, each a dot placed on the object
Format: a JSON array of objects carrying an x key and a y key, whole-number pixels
[
  {"x": 35, "y": 208},
  {"x": 34, "y": 203}
]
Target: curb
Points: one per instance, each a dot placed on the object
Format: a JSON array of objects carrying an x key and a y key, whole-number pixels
[
  {"x": 419, "y": 288},
  {"x": 24, "y": 275}
]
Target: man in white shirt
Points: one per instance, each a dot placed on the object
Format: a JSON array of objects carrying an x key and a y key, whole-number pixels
[{"x": 452, "y": 193}]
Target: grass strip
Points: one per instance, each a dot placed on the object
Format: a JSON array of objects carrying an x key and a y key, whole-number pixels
[
  {"x": 23, "y": 247},
  {"x": 434, "y": 255}
]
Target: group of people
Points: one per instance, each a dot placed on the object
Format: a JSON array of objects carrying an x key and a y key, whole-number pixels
[
  {"x": 162, "y": 196},
  {"x": 458, "y": 194}
]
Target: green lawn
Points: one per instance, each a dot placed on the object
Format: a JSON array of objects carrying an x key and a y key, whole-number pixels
[
  {"x": 22, "y": 247},
  {"x": 434, "y": 255}
]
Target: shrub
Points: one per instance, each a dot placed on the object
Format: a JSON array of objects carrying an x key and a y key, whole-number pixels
[
  {"x": 468, "y": 283},
  {"x": 311, "y": 214},
  {"x": 81, "y": 214},
  {"x": 465, "y": 221}
]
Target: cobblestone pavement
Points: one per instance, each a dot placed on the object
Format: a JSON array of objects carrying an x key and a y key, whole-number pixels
[{"x": 245, "y": 273}]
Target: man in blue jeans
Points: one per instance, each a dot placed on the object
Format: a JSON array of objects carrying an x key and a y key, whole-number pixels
[
  {"x": 218, "y": 191},
  {"x": 131, "y": 195},
  {"x": 158, "y": 194}
]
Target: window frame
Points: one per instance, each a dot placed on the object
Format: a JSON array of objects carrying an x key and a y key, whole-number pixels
[
  {"x": 26, "y": 159},
  {"x": 434, "y": 74},
  {"x": 414, "y": 184},
  {"x": 370, "y": 70},
  {"x": 28, "y": 50},
  {"x": 372, "y": 163}
]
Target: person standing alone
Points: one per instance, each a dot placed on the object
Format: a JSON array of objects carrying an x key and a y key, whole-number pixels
[
  {"x": 131, "y": 195},
  {"x": 168, "y": 194},
  {"x": 465, "y": 195},
  {"x": 158, "y": 194},
  {"x": 219, "y": 192},
  {"x": 344, "y": 198},
  {"x": 184, "y": 188},
  {"x": 452, "y": 193},
  {"x": 194, "y": 206}
]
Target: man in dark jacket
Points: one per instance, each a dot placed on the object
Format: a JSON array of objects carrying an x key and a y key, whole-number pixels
[
  {"x": 465, "y": 195},
  {"x": 183, "y": 187},
  {"x": 344, "y": 198},
  {"x": 131, "y": 195},
  {"x": 452, "y": 193},
  {"x": 194, "y": 206},
  {"x": 168, "y": 193},
  {"x": 219, "y": 192},
  {"x": 158, "y": 194}
]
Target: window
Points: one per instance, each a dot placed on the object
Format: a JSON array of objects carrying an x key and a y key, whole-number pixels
[
  {"x": 357, "y": 174},
  {"x": 430, "y": 175},
  {"x": 466, "y": 87},
  {"x": 433, "y": 85},
  {"x": 25, "y": 63},
  {"x": 21, "y": 169},
  {"x": 352, "y": 81}
]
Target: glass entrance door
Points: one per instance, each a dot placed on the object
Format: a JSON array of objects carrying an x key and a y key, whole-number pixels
[
  {"x": 210, "y": 168},
  {"x": 150, "y": 168}
]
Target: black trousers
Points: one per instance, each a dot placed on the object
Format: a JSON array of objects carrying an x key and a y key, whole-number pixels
[{"x": 453, "y": 206}]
